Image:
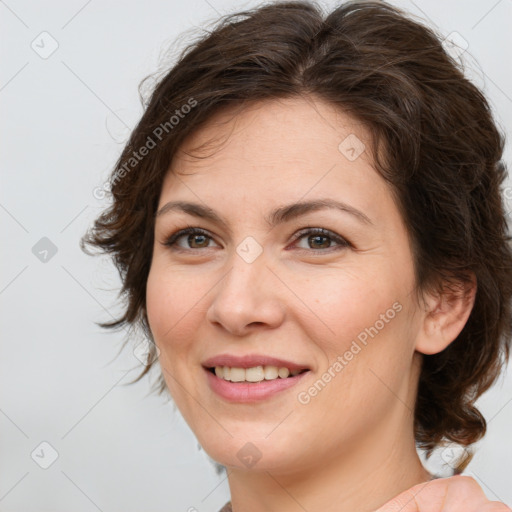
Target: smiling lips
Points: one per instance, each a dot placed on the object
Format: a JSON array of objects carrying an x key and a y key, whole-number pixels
[
  {"x": 251, "y": 378},
  {"x": 254, "y": 374}
]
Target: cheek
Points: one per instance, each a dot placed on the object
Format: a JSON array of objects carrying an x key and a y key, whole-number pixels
[
  {"x": 173, "y": 304},
  {"x": 173, "y": 301},
  {"x": 349, "y": 304},
  {"x": 368, "y": 347}
]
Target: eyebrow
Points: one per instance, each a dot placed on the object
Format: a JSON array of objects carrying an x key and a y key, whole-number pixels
[{"x": 280, "y": 215}]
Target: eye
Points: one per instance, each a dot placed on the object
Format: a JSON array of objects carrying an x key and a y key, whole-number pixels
[
  {"x": 321, "y": 239},
  {"x": 195, "y": 236}
]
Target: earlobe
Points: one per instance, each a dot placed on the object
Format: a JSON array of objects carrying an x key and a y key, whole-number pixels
[{"x": 445, "y": 316}]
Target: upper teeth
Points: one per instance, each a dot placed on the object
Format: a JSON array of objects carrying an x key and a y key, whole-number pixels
[{"x": 255, "y": 374}]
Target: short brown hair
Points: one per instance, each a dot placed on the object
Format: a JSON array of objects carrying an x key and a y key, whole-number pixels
[{"x": 435, "y": 142}]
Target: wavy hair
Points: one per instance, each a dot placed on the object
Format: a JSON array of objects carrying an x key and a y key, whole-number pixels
[{"x": 434, "y": 141}]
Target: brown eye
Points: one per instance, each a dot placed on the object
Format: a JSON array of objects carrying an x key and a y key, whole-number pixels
[
  {"x": 191, "y": 239},
  {"x": 197, "y": 239},
  {"x": 321, "y": 239},
  {"x": 316, "y": 241}
]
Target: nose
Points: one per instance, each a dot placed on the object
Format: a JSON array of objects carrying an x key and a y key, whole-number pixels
[{"x": 247, "y": 298}]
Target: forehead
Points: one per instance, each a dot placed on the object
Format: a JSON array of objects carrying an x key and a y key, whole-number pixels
[
  {"x": 301, "y": 133},
  {"x": 277, "y": 151}
]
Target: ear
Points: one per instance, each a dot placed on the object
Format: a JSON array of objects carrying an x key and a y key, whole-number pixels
[{"x": 445, "y": 315}]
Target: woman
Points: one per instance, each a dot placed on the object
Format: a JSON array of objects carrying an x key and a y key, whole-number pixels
[{"x": 309, "y": 226}]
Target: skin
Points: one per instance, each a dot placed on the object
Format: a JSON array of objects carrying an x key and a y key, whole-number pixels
[
  {"x": 456, "y": 494},
  {"x": 302, "y": 299}
]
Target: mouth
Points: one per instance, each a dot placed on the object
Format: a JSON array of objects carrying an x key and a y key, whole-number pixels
[
  {"x": 251, "y": 378},
  {"x": 255, "y": 374}
]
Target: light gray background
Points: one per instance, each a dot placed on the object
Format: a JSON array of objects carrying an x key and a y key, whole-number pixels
[{"x": 64, "y": 120}]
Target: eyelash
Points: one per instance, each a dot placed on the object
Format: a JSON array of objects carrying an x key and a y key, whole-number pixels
[{"x": 342, "y": 242}]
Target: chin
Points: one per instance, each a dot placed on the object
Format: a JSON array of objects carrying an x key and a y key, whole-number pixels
[{"x": 258, "y": 454}]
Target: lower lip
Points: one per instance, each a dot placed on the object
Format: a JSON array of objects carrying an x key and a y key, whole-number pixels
[{"x": 250, "y": 391}]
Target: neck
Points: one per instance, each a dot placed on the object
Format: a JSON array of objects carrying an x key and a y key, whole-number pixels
[
  {"x": 380, "y": 464},
  {"x": 341, "y": 485}
]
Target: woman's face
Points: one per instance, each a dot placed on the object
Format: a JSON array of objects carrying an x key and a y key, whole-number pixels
[{"x": 255, "y": 287}]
